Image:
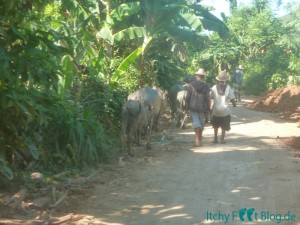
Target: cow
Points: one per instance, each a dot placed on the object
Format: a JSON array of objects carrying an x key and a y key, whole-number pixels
[
  {"x": 173, "y": 91},
  {"x": 135, "y": 122},
  {"x": 181, "y": 109},
  {"x": 163, "y": 106},
  {"x": 172, "y": 96},
  {"x": 150, "y": 97}
]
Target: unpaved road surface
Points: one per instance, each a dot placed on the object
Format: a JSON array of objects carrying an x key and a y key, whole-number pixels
[{"x": 177, "y": 184}]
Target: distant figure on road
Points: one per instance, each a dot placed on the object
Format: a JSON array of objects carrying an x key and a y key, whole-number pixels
[
  {"x": 221, "y": 115},
  {"x": 237, "y": 80}
]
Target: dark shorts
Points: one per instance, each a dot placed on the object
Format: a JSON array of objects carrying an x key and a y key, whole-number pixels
[
  {"x": 223, "y": 122},
  {"x": 237, "y": 88}
]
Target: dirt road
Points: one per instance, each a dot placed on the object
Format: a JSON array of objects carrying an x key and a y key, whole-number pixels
[{"x": 176, "y": 184}]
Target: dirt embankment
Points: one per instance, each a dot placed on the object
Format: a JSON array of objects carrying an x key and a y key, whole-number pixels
[{"x": 283, "y": 102}]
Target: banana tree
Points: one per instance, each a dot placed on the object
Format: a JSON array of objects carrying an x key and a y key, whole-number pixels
[
  {"x": 115, "y": 14},
  {"x": 159, "y": 21}
]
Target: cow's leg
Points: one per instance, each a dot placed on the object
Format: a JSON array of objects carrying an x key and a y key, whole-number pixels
[
  {"x": 155, "y": 121},
  {"x": 148, "y": 138},
  {"x": 123, "y": 141},
  {"x": 131, "y": 136},
  {"x": 138, "y": 138},
  {"x": 179, "y": 117},
  {"x": 129, "y": 146}
]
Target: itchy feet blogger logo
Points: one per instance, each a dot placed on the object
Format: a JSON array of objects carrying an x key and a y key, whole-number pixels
[{"x": 249, "y": 214}]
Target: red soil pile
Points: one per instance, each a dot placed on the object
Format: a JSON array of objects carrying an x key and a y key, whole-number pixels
[{"x": 285, "y": 101}]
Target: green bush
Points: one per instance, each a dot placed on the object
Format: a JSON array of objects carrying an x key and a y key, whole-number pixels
[
  {"x": 23, "y": 114},
  {"x": 278, "y": 80},
  {"x": 74, "y": 137},
  {"x": 45, "y": 131}
]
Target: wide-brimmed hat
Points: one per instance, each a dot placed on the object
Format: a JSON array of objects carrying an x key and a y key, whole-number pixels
[
  {"x": 222, "y": 76},
  {"x": 200, "y": 72},
  {"x": 241, "y": 67}
]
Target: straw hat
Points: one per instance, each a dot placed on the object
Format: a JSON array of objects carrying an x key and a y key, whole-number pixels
[
  {"x": 200, "y": 72},
  {"x": 241, "y": 67},
  {"x": 223, "y": 76}
]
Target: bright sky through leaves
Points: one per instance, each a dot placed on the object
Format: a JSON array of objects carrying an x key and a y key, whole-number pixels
[{"x": 223, "y": 6}]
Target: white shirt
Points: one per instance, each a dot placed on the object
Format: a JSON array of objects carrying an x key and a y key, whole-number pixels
[{"x": 221, "y": 102}]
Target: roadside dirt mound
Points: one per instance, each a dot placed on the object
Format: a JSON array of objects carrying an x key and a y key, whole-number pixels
[{"x": 284, "y": 101}]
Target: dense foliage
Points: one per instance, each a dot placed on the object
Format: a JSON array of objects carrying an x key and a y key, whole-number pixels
[
  {"x": 264, "y": 44},
  {"x": 67, "y": 66}
]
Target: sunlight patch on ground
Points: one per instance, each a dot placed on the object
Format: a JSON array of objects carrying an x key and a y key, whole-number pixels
[
  {"x": 239, "y": 189},
  {"x": 101, "y": 222},
  {"x": 186, "y": 133},
  {"x": 219, "y": 149},
  {"x": 146, "y": 208},
  {"x": 244, "y": 188},
  {"x": 255, "y": 198},
  {"x": 224, "y": 203},
  {"x": 184, "y": 215},
  {"x": 116, "y": 213},
  {"x": 249, "y": 149},
  {"x": 152, "y": 206},
  {"x": 156, "y": 191},
  {"x": 259, "y": 162},
  {"x": 170, "y": 209}
]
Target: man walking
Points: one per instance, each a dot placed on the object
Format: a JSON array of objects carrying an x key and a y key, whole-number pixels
[
  {"x": 198, "y": 102},
  {"x": 222, "y": 94},
  {"x": 237, "y": 80}
]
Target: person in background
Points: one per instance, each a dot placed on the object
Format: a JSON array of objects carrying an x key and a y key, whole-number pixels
[
  {"x": 221, "y": 93},
  {"x": 237, "y": 80},
  {"x": 186, "y": 82},
  {"x": 197, "y": 102}
]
